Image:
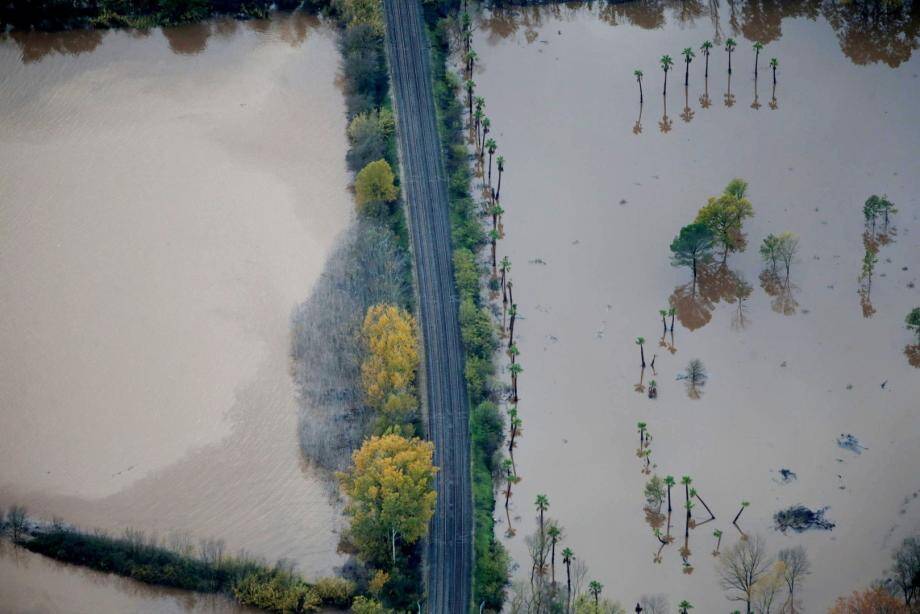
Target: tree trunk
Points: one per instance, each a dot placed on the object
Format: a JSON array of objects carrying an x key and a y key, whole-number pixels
[
  {"x": 669, "y": 499},
  {"x": 642, "y": 354},
  {"x": 756, "y": 59},
  {"x": 498, "y": 190},
  {"x": 568, "y": 583},
  {"x": 706, "y": 75},
  {"x": 730, "y": 72},
  {"x": 665, "y": 91},
  {"x": 774, "y": 76},
  {"x": 393, "y": 543},
  {"x": 641, "y": 98},
  {"x": 687, "y": 73}
]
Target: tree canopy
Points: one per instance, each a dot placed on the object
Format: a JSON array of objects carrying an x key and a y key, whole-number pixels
[
  {"x": 391, "y": 494},
  {"x": 375, "y": 184},
  {"x": 692, "y": 246},
  {"x": 388, "y": 372},
  {"x": 724, "y": 216}
]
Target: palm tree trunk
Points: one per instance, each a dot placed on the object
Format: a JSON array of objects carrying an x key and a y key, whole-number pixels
[
  {"x": 552, "y": 563},
  {"x": 568, "y": 584},
  {"x": 700, "y": 499},
  {"x": 511, "y": 327},
  {"x": 665, "y": 91},
  {"x": 687, "y": 73},
  {"x": 490, "y": 170},
  {"x": 756, "y": 58},
  {"x": 498, "y": 190},
  {"x": 706, "y": 74},
  {"x": 774, "y": 76},
  {"x": 669, "y": 499},
  {"x": 640, "y": 92},
  {"x": 642, "y": 354},
  {"x": 729, "y": 62}
]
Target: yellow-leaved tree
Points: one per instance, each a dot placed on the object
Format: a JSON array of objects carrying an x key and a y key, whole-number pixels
[
  {"x": 388, "y": 372},
  {"x": 391, "y": 494},
  {"x": 374, "y": 186}
]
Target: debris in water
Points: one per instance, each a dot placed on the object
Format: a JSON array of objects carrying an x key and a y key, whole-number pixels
[
  {"x": 538, "y": 261},
  {"x": 851, "y": 443},
  {"x": 787, "y": 475},
  {"x": 799, "y": 518}
]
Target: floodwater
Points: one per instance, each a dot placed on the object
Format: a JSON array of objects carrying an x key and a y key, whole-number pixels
[
  {"x": 166, "y": 199},
  {"x": 32, "y": 583},
  {"x": 592, "y": 203}
]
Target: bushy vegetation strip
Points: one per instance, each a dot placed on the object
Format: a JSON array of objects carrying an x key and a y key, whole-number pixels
[
  {"x": 204, "y": 569},
  {"x": 491, "y": 563}
]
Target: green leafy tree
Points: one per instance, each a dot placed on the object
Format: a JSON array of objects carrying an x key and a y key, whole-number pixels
[
  {"x": 692, "y": 246},
  {"x": 774, "y": 64},
  {"x": 595, "y": 588},
  {"x": 913, "y": 321},
  {"x": 725, "y": 215}
]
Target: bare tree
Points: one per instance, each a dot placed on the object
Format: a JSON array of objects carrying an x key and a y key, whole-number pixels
[
  {"x": 797, "y": 567},
  {"x": 655, "y": 604},
  {"x": 767, "y": 588},
  {"x": 741, "y": 566},
  {"x": 906, "y": 571},
  {"x": 786, "y": 249},
  {"x": 16, "y": 520}
]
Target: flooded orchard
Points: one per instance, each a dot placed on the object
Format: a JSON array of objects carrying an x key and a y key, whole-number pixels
[
  {"x": 166, "y": 199},
  {"x": 596, "y": 188}
]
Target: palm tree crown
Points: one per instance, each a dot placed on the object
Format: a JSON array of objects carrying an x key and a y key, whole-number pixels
[
  {"x": 666, "y": 62},
  {"x": 705, "y": 47},
  {"x": 730, "y": 45},
  {"x": 688, "y": 54}
]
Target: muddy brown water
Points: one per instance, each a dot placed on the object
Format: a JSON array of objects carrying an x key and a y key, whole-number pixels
[
  {"x": 591, "y": 209},
  {"x": 166, "y": 199}
]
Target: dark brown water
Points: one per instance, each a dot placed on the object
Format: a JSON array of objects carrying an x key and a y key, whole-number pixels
[
  {"x": 166, "y": 199},
  {"x": 592, "y": 205}
]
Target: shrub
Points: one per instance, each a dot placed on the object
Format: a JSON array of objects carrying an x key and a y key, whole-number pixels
[
  {"x": 276, "y": 592},
  {"x": 334, "y": 591},
  {"x": 477, "y": 329},
  {"x": 364, "y": 68},
  {"x": 369, "y": 134},
  {"x": 487, "y": 429},
  {"x": 365, "y": 605},
  {"x": 466, "y": 273}
]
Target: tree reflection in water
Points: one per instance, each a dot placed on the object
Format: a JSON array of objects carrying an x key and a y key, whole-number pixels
[
  {"x": 869, "y": 31},
  {"x": 715, "y": 282},
  {"x": 781, "y": 290}
]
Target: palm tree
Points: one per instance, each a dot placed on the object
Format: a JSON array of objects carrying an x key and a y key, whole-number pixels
[
  {"x": 718, "y": 535},
  {"x": 638, "y": 74},
  {"x": 470, "y": 57},
  {"x": 669, "y": 482},
  {"x": 512, "y": 315},
  {"x": 491, "y": 146},
  {"x": 671, "y": 313},
  {"x": 515, "y": 369},
  {"x": 470, "y": 86},
  {"x": 688, "y": 57},
  {"x": 542, "y": 504},
  {"x": 505, "y": 267},
  {"x": 493, "y": 237},
  {"x": 466, "y": 25},
  {"x": 500, "y": 161},
  {"x": 686, "y": 482},
  {"x": 640, "y": 341},
  {"x": 774, "y": 64},
  {"x": 663, "y": 313},
  {"x": 567, "y": 557},
  {"x": 704, "y": 48},
  {"x": 666, "y": 64},
  {"x": 595, "y": 589},
  {"x": 683, "y": 606},
  {"x": 744, "y": 504},
  {"x": 554, "y": 533},
  {"x": 757, "y": 47},
  {"x": 641, "y": 426},
  {"x": 730, "y": 45}
]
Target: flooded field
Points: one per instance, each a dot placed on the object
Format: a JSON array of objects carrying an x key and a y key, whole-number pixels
[
  {"x": 593, "y": 199},
  {"x": 166, "y": 199}
]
